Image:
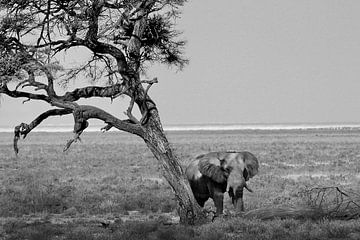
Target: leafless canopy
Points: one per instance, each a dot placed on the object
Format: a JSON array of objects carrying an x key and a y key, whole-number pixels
[{"x": 122, "y": 36}]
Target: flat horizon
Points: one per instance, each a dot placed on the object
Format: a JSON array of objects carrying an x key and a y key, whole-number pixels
[{"x": 95, "y": 127}]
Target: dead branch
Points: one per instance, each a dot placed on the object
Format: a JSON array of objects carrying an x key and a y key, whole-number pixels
[
  {"x": 79, "y": 126},
  {"x": 334, "y": 202},
  {"x": 132, "y": 101},
  {"x": 70, "y": 141},
  {"x": 323, "y": 202},
  {"x": 82, "y": 113},
  {"x": 106, "y": 128},
  {"x": 129, "y": 111},
  {"x": 150, "y": 83},
  {"x": 24, "y": 129},
  {"x": 25, "y": 101},
  {"x": 146, "y": 115}
]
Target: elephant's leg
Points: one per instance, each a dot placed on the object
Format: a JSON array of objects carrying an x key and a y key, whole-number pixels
[
  {"x": 200, "y": 191},
  {"x": 217, "y": 194},
  {"x": 218, "y": 198}
]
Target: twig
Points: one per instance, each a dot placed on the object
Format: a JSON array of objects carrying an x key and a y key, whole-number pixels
[
  {"x": 80, "y": 125},
  {"x": 106, "y": 128},
  {"x": 129, "y": 111},
  {"x": 70, "y": 141},
  {"x": 146, "y": 115},
  {"x": 25, "y": 101}
]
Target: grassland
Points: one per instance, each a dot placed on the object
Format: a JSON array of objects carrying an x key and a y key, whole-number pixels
[{"x": 109, "y": 186}]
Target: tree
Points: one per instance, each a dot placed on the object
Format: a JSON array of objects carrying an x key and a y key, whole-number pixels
[{"x": 123, "y": 37}]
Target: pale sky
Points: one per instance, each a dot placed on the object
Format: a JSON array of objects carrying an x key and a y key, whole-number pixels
[{"x": 252, "y": 61}]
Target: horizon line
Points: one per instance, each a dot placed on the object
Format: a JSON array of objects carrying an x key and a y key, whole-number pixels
[{"x": 207, "y": 127}]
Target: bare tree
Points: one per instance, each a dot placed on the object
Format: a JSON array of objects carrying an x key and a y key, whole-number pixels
[{"x": 123, "y": 37}]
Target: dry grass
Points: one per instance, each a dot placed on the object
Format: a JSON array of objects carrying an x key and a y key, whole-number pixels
[{"x": 110, "y": 175}]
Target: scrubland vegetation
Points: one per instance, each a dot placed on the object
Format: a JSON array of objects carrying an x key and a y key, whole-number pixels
[{"x": 109, "y": 186}]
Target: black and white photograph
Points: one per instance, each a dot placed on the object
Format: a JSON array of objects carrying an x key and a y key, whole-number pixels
[{"x": 179, "y": 120}]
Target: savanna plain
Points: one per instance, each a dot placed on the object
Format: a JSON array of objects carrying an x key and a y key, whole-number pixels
[{"x": 109, "y": 186}]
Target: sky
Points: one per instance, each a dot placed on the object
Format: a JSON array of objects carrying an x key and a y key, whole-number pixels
[{"x": 263, "y": 61}]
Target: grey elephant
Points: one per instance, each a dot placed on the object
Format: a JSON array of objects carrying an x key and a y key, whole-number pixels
[{"x": 211, "y": 175}]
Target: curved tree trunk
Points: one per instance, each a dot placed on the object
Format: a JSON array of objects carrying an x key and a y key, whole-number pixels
[
  {"x": 128, "y": 62},
  {"x": 189, "y": 211}
]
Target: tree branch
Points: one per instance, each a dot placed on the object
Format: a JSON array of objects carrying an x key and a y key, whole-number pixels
[
  {"x": 115, "y": 5},
  {"x": 30, "y": 64},
  {"x": 129, "y": 111},
  {"x": 50, "y": 87},
  {"x": 80, "y": 124},
  {"x": 99, "y": 48},
  {"x": 23, "y": 129},
  {"x": 84, "y": 112},
  {"x": 134, "y": 45},
  {"x": 146, "y": 114},
  {"x": 124, "y": 125},
  {"x": 94, "y": 13},
  {"x": 18, "y": 94},
  {"x": 94, "y": 91},
  {"x": 150, "y": 83},
  {"x": 31, "y": 81}
]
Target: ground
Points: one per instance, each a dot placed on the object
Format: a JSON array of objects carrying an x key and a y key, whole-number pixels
[{"x": 109, "y": 186}]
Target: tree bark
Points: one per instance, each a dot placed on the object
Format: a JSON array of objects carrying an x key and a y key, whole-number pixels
[{"x": 189, "y": 211}]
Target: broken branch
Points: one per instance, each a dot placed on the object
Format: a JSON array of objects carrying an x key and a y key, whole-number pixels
[
  {"x": 129, "y": 111},
  {"x": 80, "y": 125},
  {"x": 146, "y": 115},
  {"x": 82, "y": 113},
  {"x": 106, "y": 128},
  {"x": 23, "y": 129},
  {"x": 25, "y": 101}
]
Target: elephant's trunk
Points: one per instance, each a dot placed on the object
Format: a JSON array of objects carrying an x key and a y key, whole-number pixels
[
  {"x": 235, "y": 187},
  {"x": 238, "y": 200}
]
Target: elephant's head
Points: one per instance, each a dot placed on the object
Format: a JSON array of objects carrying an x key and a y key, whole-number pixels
[{"x": 232, "y": 169}]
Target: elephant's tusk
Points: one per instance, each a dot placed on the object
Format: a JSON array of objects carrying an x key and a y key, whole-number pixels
[{"x": 249, "y": 189}]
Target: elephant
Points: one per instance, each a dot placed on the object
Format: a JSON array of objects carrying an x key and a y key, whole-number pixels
[{"x": 211, "y": 175}]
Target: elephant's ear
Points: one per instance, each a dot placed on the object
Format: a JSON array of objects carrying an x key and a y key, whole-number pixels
[
  {"x": 211, "y": 167},
  {"x": 246, "y": 174},
  {"x": 251, "y": 165}
]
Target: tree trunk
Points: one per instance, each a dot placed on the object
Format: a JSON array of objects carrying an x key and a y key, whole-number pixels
[{"x": 189, "y": 211}]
